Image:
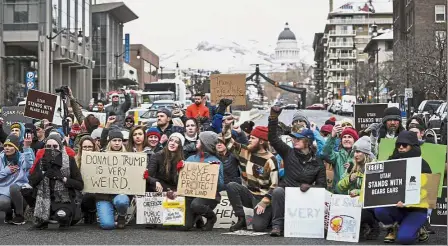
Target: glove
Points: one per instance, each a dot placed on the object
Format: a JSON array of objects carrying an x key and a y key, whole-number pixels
[
  {"x": 276, "y": 111},
  {"x": 54, "y": 174},
  {"x": 44, "y": 164},
  {"x": 305, "y": 187},
  {"x": 223, "y": 104},
  {"x": 373, "y": 129},
  {"x": 180, "y": 165},
  {"x": 146, "y": 174}
]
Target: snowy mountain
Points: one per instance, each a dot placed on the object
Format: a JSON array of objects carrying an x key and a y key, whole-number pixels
[{"x": 225, "y": 55}]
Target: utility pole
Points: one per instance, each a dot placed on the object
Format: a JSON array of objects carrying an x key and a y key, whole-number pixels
[{"x": 161, "y": 72}]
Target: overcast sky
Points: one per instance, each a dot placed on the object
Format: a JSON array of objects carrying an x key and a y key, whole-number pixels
[{"x": 165, "y": 26}]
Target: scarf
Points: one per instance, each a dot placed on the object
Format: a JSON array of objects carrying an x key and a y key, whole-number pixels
[
  {"x": 60, "y": 192},
  {"x": 191, "y": 139}
]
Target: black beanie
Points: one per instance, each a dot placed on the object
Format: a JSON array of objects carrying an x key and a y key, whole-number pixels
[
  {"x": 392, "y": 113},
  {"x": 407, "y": 137},
  {"x": 115, "y": 134}
]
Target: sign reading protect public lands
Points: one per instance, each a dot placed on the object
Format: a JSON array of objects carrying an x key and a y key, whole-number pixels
[
  {"x": 113, "y": 172},
  {"x": 231, "y": 86},
  {"x": 40, "y": 105},
  {"x": 198, "y": 180}
]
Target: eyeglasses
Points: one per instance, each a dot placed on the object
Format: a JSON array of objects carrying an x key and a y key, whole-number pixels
[
  {"x": 87, "y": 147},
  {"x": 398, "y": 145},
  {"x": 51, "y": 146}
]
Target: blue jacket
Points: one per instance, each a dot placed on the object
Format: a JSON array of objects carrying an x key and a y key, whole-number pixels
[
  {"x": 209, "y": 158},
  {"x": 25, "y": 162},
  {"x": 320, "y": 142}
]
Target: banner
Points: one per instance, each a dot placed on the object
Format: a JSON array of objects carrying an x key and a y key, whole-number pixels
[
  {"x": 40, "y": 105},
  {"x": 231, "y": 86},
  {"x": 155, "y": 208},
  {"x": 434, "y": 154},
  {"x": 305, "y": 212},
  {"x": 345, "y": 219},
  {"x": 366, "y": 114},
  {"x": 198, "y": 180},
  {"x": 226, "y": 216},
  {"x": 12, "y": 115},
  {"x": 113, "y": 172},
  {"x": 438, "y": 215},
  {"x": 386, "y": 183}
]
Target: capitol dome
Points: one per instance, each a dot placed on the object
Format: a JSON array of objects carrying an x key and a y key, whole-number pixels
[{"x": 287, "y": 52}]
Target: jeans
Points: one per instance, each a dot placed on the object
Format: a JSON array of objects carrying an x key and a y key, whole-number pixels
[
  {"x": 410, "y": 221},
  {"x": 15, "y": 201},
  {"x": 239, "y": 197},
  {"x": 106, "y": 210}
]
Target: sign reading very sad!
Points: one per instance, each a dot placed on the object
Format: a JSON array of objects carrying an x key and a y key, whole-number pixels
[
  {"x": 113, "y": 172},
  {"x": 198, "y": 180}
]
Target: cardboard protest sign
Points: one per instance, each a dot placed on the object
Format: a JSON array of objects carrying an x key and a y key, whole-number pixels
[
  {"x": 366, "y": 114},
  {"x": 304, "y": 212},
  {"x": 11, "y": 115},
  {"x": 155, "y": 208},
  {"x": 198, "y": 180},
  {"x": 428, "y": 191},
  {"x": 386, "y": 183},
  {"x": 345, "y": 219},
  {"x": 113, "y": 172},
  {"x": 40, "y": 105},
  {"x": 231, "y": 86},
  {"x": 438, "y": 215},
  {"x": 434, "y": 154},
  {"x": 226, "y": 216}
]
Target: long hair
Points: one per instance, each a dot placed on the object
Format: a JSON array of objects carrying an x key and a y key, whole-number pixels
[
  {"x": 130, "y": 146},
  {"x": 172, "y": 157},
  {"x": 359, "y": 166},
  {"x": 79, "y": 154}
]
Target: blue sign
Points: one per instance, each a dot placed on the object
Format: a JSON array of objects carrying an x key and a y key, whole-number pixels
[
  {"x": 30, "y": 80},
  {"x": 127, "y": 49}
]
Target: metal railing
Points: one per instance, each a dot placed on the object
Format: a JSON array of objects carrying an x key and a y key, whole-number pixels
[
  {"x": 361, "y": 21},
  {"x": 341, "y": 44},
  {"x": 341, "y": 55},
  {"x": 341, "y": 32}
]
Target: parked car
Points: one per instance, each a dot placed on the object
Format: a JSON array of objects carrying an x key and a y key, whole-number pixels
[
  {"x": 163, "y": 103},
  {"x": 316, "y": 106},
  {"x": 435, "y": 121},
  {"x": 335, "y": 107},
  {"x": 427, "y": 108},
  {"x": 140, "y": 111},
  {"x": 148, "y": 118}
]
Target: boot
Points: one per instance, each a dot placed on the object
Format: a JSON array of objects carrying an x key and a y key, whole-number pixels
[
  {"x": 391, "y": 234},
  {"x": 211, "y": 220},
  {"x": 240, "y": 224},
  {"x": 199, "y": 222},
  {"x": 276, "y": 232}
]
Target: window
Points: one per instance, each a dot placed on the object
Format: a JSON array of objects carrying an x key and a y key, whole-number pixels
[
  {"x": 147, "y": 67},
  {"x": 389, "y": 45},
  {"x": 440, "y": 13}
]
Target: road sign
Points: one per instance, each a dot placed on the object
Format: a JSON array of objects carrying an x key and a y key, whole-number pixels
[
  {"x": 30, "y": 80},
  {"x": 127, "y": 48},
  {"x": 408, "y": 93}
]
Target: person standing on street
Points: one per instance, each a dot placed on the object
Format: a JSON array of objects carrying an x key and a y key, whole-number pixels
[
  {"x": 119, "y": 109},
  {"x": 198, "y": 109}
]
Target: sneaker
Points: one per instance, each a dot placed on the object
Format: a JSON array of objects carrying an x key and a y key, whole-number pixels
[
  {"x": 40, "y": 225},
  {"x": 240, "y": 225},
  {"x": 210, "y": 223},
  {"x": 391, "y": 234},
  {"x": 8, "y": 218},
  {"x": 276, "y": 232},
  {"x": 423, "y": 235},
  {"x": 18, "y": 220},
  {"x": 121, "y": 222}
]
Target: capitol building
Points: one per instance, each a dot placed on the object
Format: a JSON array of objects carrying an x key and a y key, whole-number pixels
[{"x": 287, "y": 52}]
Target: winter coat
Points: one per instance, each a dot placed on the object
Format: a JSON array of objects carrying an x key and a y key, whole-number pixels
[
  {"x": 299, "y": 168},
  {"x": 40, "y": 153},
  {"x": 337, "y": 159},
  {"x": 190, "y": 147},
  {"x": 345, "y": 185},
  {"x": 206, "y": 158},
  {"x": 157, "y": 171},
  {"x": 170, "y": 130},
  {"x": 24, "y": 161},
  {"x": 119, "y": 109},
  {"x": 231, "y": 168}
]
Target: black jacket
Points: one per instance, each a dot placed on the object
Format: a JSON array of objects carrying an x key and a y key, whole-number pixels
[
  {"x": 231, "y": 168},
  {"x": 190, "y": 147},
  {"x": 157, "y": 171},
  {"x": 299, "y": 168}
]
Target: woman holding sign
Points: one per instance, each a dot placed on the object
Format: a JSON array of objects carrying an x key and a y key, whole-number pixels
[{"x": 410, "y": 220}]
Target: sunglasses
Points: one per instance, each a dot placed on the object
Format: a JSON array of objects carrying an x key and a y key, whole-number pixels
[
  {"x": 51, "y": 146},
  {"x": 128, "y": 121},
  {"x": 398, "y": 145}
]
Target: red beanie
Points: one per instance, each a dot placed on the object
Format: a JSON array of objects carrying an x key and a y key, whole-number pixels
[
  {"x": 260, "y": 132},
  {"x": 76, "y": 129},
  {"x": 350, "y": 131}
]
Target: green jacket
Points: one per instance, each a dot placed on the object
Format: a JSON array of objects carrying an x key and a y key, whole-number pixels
[
  {"x": 337, "y": 159},
  {"x": 346, "y": 186}
]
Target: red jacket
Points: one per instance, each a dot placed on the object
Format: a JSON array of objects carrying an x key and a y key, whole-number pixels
[{"x": 40, "y": 153}]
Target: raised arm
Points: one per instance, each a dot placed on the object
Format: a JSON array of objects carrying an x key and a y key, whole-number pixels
[{"x": 281, "y": 147}]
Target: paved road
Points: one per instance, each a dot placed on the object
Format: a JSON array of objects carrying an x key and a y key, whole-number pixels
[{"x": 317, "y": 116}]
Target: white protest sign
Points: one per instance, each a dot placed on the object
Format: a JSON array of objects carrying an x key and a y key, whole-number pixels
[
  {"x": 100, "y": 116},
  {"x": 113, "y": 172},
  {"x": 226, "y": 216},
  {"x": 155, "y": 208},
  {"x": 345, "y": 218},
  {"x": 305, "y": 212},
  {"x": 174, "y": 211},
  {"x": 198, "y": 180}
]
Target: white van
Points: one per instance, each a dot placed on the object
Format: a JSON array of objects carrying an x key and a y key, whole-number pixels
[{"x": 348, "y": 102}]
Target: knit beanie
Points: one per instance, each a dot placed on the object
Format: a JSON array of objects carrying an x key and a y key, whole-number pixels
[
  {"x": 153, "y": 131},
  {"x": 326, "y": 128},
  {"x": 260, "y": 132},
  {"x": 13, "y": 141},
  {"x": 179, "y": 136},
  {"x": 209, "y": 140},
  {"x": 115, "y": 134},
  {"x": 165, "y": 111},
  {"x": 247, "y": 126},
  {"x": 407, "y": 137},
  {"x": 57, "y": 138},
  {"x": 392, "y": 113},
  {"x": 350, "y": 131},
  {"x": 57, "y": 131},
  {"x": 331, "y": 121},
  {"x": 346, "y": 121},
  {"x": 299, "y": 117},
  {"x": 16, "y": 125},
  {"x": 363, "y": 145},
  {"x": 75, "y": 130}
]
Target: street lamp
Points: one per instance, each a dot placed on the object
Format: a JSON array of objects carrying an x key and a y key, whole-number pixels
[
  {"x": 138, "y": 54},
  {"x": 356, "y": 72}
]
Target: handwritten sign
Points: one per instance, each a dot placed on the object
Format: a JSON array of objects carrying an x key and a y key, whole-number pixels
[
  {"x": 198, "y": 180},
  {"x": 438, "y": 215},
  {"x": 40, "y": 105},
  {"x": 113, "y": 172},
  {"x": 226, "y": 216},
  {"x": 345, "y": 219},
  {"x": 231, "y": 86},
  {"x": 12, "y": 115},
  {"x": 386, "y": 183},
  {"x": 155, "y": 208},
  {"x": 305, "y": 212},
  {"x": 366, "y": 114}
]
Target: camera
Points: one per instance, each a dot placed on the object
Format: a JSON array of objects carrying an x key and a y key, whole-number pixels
[{"x": 63, "y": 90}]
